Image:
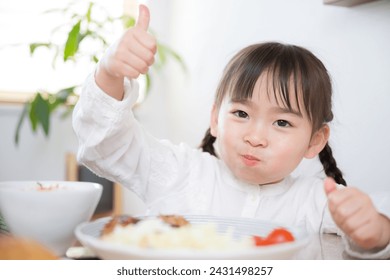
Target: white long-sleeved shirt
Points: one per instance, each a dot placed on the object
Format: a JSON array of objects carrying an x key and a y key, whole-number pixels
[{"x": 178, "y": 179}]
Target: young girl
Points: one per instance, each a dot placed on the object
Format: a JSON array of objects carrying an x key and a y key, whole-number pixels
[{"x": 271, "y": 110}]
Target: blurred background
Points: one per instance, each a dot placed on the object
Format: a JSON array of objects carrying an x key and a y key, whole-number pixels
[{"x": 353, "y": 42}]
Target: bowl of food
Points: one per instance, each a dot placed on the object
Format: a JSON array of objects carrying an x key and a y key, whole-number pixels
[
  {"x": 48, "y": 211},
  {"x": 190, "y": 237}
]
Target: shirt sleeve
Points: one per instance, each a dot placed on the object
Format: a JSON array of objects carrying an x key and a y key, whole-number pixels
[
  {"x": 114, "y": 145},
  {"x": 355, "y": 251}
]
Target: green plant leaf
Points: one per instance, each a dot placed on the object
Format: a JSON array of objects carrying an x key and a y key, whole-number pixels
[
  {"x": 22, "y": 117},
  {"x": 128, "y": 21},
  {"x": 60, "y": 98},
  {"x": 148, "y": 83},
  {"x": 34, "y": 46},
  {"x": 40, "y": 113},
  {"x": 89, "y": 11},
  {"x": 161, "y": 57},
  {"x": 32, "y": 116},
  {"x": 177, "y": 57},
  {"x": 167, "y": 52},
  {"x": 72, "y": 43},
  {"x": 3, "y": 226},
  {"x": 63, "y": 94}
]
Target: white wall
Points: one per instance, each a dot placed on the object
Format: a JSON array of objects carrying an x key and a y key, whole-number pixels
[
  {"x": 353, "y": 43},
  {"x": 36, "y": 157}
]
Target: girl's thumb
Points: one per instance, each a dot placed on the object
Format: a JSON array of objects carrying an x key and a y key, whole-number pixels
[
  {"x": 329, "y": 185},
  {"x": 143, "y": 17}
]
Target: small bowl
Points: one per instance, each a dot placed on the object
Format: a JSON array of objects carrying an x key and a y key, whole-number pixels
[{"x": 48, "y": 211}]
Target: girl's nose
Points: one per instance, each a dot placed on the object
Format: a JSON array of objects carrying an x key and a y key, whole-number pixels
[{"x": 256, "y": 136}]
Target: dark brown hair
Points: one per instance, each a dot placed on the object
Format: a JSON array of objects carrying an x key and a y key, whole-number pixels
[{"x": 285, "y": 64}]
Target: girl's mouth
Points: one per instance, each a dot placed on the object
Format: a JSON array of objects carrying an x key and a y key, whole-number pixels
[{"x": 250, "y": 160}]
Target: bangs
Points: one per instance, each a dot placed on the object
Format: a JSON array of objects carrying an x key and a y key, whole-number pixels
[{"x": 281, "y": 70}]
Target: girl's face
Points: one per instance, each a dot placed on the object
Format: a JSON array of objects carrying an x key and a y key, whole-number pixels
[{"x": 262, "y": 141}]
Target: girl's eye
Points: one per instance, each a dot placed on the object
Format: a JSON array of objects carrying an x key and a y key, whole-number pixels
[
  {"x": 282, "y": 123},
  {"x": 241, "y": 114}
]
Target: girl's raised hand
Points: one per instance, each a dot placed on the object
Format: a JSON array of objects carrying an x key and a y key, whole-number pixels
[
  {"x": 354, "y": 213},
  {"x": 129, "y": 57}
]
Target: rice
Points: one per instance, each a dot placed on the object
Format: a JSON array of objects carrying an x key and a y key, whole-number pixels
[{"x": 156, "y": 234}]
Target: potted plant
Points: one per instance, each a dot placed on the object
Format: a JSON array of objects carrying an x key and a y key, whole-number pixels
[{"x": 82, "y": 26}]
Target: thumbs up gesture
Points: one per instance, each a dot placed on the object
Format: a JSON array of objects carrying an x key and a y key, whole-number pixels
[
  {"x": 129, "y": 57},
  {"x": 354, "y": 213}
]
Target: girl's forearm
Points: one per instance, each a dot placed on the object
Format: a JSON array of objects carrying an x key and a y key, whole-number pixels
[{"x": 111, "y": 85}]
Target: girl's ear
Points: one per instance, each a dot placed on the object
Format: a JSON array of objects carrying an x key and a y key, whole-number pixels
[
  {"x": 214, "y": 121},
  {"x": 318, "y": 142}
]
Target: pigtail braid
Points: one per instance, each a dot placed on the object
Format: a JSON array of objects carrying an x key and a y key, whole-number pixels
[
  {"x": 330, "y": 166},
  {"x": 207, "y": 143}
]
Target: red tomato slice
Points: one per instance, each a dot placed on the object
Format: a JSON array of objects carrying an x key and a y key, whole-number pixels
[
  {"x": 280, "y": 235},
  {"x": 260, "y": 241},
  {"x": 277, "y": 236}
]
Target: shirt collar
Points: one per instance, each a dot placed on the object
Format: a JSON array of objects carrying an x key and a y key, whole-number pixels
[{"x": 270, "y": 189}]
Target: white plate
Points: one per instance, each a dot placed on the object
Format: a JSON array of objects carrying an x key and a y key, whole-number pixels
[{"x": 88, "y": 234}]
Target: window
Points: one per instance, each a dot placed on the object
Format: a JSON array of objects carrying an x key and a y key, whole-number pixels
[{"x": 23, "y": 22}]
